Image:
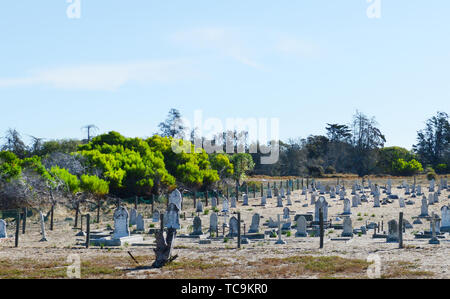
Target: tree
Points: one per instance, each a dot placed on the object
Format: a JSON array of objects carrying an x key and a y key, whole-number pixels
[
  {"x": 367, "y": 139},
  {"x": 338, "y": 133},
  {"x": 71, "y": 186},
  {"x": 130, "y": 165},
  {"x": 173, "y": 126},
  {"x": 191, "y": 169},
  {"x": 89, "y": 129},
  {"x": 402, "y": 167},
  {"x": 389, "y": 155},
  {"x": 96, "y": 187},
  {"x": 15, "y": 144},
  {"x": 433, "y": 142},
  {"x": 242, "y": 164}
]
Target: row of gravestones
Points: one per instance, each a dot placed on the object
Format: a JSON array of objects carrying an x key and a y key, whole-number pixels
[
  {"x": 122, "y": 219},
  {"x": 254, "y": 227}
]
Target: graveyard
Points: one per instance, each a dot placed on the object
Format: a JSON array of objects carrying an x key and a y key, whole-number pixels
[
  {"x": 359, "y": 222},
  {"x": 224, "y": 140}
]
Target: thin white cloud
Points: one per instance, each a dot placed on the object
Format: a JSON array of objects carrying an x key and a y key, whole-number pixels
[
  {"x": 103, "y": 77},
  {"x": 293, "y": 46},
  {"x": 225, "y": 41}
]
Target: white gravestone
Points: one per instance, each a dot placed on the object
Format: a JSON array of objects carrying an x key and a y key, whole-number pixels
[
  {"x": 225, "y": 206},
  {"x": 348, "y": 228},
  {"x": 321, "y": 203},
  {"x": 172, "y": 217},
  {"x": 121, "y": 223},
  {"x": 347, "y": 207},
  {"x": 445, "y": 216},
  {"x": 176, "y": 198}
]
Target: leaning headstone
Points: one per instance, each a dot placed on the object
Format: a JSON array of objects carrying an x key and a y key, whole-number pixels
[
  {"x": 121, "y": 223},
  {"x": 133, "y": 216},
  {"x": 254, "y": 228},
  {"x": 140, "y": 223},
  {"x": 176, "y": 198},
  {"x": 3, "y": 233},
  {"x": 393, "y": 232},
  {"x": 301, "y": 227},
  {"x": 348, "y": 228},
  {"x": 197, "y": 227}
]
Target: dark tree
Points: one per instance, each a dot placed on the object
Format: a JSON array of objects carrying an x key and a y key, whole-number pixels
[
  {"x": 173, "y": 126},
  {"x": 15, "y": 144},
  {"x": 367, "y": 140},
  {"x": 338, "y": 133},
  {"x": 433, "y": 143}
]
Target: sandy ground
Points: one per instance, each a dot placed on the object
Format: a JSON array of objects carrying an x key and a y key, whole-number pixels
[{"x": 62, "y": 242}]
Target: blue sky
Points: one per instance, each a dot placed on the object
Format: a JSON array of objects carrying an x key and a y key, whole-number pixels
[{"x": 123, "y": 65}]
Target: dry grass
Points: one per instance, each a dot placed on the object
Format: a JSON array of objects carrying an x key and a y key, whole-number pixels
[{"x": 403, "y": 269}]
